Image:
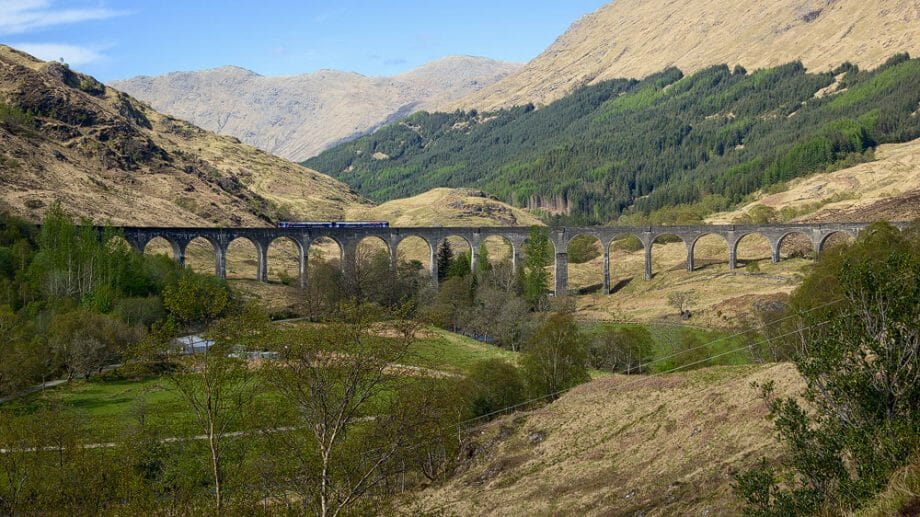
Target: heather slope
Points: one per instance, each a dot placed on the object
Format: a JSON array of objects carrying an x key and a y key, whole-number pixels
[{"x": 635, "y": 38}]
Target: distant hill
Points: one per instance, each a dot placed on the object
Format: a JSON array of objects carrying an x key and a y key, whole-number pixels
[
  {"x": 447, "y": 207},
  {"x": 710, "y": 138},
  {"x": 297, "y": 117},
  {"x": 66, "y": 137},
  {"x": 635, "y": 38}
]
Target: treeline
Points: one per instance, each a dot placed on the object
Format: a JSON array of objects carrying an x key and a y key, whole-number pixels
[
  {"x": 708, "y": 139},
  {"x": 335, "y": 421},
  {"x": 73, "y": 300}
]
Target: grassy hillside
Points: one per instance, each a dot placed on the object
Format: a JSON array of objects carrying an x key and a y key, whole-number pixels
[
  {"x": 635, "y": 38},
  {"x": 887, "y": 188},
  {"x": 621, "y": 445},
  {"x": 712, "y": 138},
  {"x": 66, "y": 137},
  {"x": 446, "y": 207}
]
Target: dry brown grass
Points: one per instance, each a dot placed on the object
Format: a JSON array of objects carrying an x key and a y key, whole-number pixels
[
  {"x": 620, "y": 445},
  {"x": 447, "y": 207},
  {"x": 635, "y": 38},
  {"x": 113, "y": 169},
  {"x": 882, "y": 189},
  {"x": 722, "y": 295}
]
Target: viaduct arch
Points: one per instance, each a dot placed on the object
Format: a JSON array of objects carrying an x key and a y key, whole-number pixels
[{"x": 349, "y": 238}]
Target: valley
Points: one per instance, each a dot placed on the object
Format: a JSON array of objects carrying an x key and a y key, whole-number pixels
[{"x": 669, "y": 266}]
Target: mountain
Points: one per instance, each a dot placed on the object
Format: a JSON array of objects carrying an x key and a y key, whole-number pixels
[
  {"x": 297, "y": 117},
  {"x": 709, "y": 139},
  {"x": 102, "y": 154},
  {"x": 635, "y": 38}
]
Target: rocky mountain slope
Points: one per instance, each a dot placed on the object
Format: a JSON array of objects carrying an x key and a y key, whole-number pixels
[
  {"x": 297, "y": 117},
  {"x": 66, "y": 137},
  {"x": 635, "y": 38}
]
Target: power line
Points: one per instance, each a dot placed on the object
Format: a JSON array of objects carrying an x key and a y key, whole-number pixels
[
  {"x": 657, "y": 360},
  {"x": 595, "y": 443}
]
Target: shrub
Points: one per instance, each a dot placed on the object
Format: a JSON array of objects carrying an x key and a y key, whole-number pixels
[
  {"x": 629, "y": 243},
  {"x": 197, "y": 299},
  {"x": 624, "y": 349},
  {"x": 496, "y": 385},
  {"x": 555, "y": 357},
  {"x": 583, "y": 248},
  {"x": 139, "y": 310},
  {"x": 855, "y": 320}
]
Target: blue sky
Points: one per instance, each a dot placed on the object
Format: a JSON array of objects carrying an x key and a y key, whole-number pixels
[{"x": 116, "y": 39}]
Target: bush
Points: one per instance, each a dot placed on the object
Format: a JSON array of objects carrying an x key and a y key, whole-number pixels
[
  {"x": 855, "y": 319},
  {"x": 583, "y": 248},
  {"x": 555, "y": 358},
  {"x": 753, "y": 267},
  {"x": 496, "y": 385},
  {"x": 629, "y": 243},
  {"x": 86, "y": 341},
  {"x": 197, "y": 299},
  {"x": 139, "y": 310},
  {"x": 624, "y": 349}
]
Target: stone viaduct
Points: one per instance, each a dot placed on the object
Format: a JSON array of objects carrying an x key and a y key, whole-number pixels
[{"x": 349, "y": 238}]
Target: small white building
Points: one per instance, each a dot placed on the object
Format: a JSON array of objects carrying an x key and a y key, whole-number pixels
[{"x": 192, "y": 344}]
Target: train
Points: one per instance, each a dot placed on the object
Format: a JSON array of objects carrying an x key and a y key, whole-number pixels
[{"x": 333, "y": 224}]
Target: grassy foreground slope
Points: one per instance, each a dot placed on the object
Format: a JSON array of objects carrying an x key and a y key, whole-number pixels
[{"x": 666, "y": 445}]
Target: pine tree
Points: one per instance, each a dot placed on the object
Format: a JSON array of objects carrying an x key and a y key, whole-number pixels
[
  {"x": 537, "y": 256},
  {"x": 445, "y": 258},
  {"x": 483, "y": 258}
]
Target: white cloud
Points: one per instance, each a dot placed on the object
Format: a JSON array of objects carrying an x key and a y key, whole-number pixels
[
  {"x": 72, "y": 54},
  {"x": 21, "y": 16}
]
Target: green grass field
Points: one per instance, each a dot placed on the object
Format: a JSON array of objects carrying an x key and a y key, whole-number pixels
[
  {"x": 444, "y": 350},
  {"x": 108, "y": 404},
  {"x": 666, "y": 355}
]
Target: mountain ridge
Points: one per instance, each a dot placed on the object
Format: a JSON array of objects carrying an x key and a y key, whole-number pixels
[
  {"x": 297, "y": 116},
  {"x": 619, "y": 40},
  {"x": 65, "y": 137}
]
